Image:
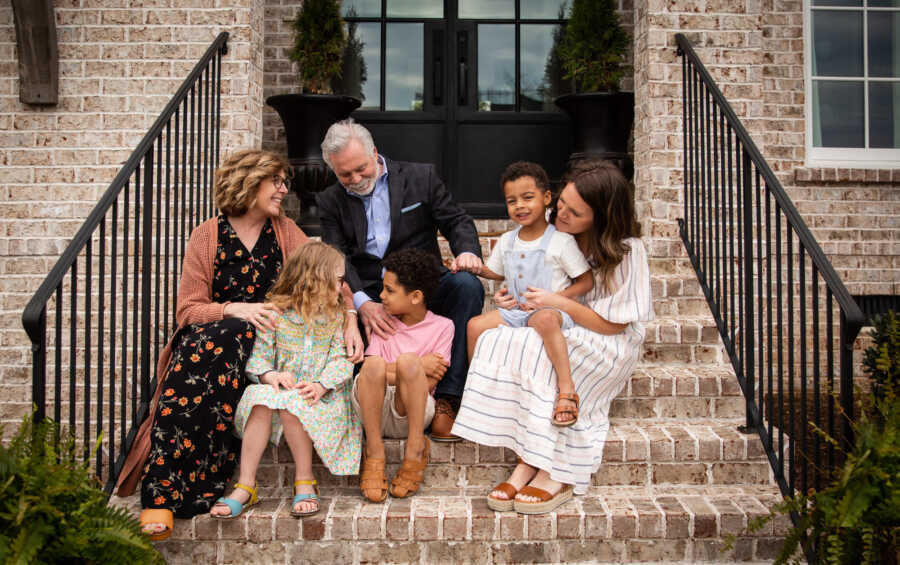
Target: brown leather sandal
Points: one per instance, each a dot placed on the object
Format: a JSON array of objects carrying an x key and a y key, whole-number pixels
[
  {"x": 372, "y": 478},
  {"x": 502, "y": 504},
  {"x": 558, "y": 410},
  {"x": 409, "y": 477},
  {"x": 546, "y": 502}
]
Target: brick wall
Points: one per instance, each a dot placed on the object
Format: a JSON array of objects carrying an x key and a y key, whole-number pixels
[
  {"x": 120, "y": 63},
  {"x": 754, "y": 50}
]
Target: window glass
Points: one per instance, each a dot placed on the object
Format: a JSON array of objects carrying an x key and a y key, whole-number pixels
[
  {"x": 884, "y": 3},
  {"x": 544, "y": 9},
  {"x": 483, "y": 9},
  {"x": 404, "y": 66},
  {"x": 496, "y": 67},
  {"x": 837, "y": 43},
  {"x": 366, "y": 38},
  {"x": 415, "y": 8},
  {"x": 884, "y": 111},
  {"x": 884, "y": 44},
  {"x": 361, "y": 8},
  {"x": 838, "y": 116},
  {"x": 540, "y": 71},
  {"x": 837, "y": 2}
]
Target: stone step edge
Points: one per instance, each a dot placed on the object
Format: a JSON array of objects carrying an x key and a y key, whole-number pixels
[{"x": 585, "y": 518}]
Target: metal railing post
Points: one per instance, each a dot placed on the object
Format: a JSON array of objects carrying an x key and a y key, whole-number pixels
[{"x": 747, "y": 338}]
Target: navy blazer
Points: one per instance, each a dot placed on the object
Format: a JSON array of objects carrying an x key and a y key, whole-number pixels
[{"x": 420, "y": 206}]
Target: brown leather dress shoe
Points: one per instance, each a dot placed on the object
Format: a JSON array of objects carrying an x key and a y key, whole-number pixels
[{"x": 444, "y": 415}]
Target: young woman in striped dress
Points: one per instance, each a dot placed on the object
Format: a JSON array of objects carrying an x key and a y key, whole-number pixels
[{"x": 510, "y": 389}]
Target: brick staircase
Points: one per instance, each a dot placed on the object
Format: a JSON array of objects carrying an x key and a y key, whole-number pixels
[{"x": 677, "y": 479}]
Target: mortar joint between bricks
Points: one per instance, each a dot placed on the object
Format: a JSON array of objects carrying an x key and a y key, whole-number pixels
[
  {"x": 275, "y": 518},
  {"x": 328, "y": 518},
  {"x": 468, "y": 518},
  {"x": 354, "y": 527},
  {"x": 383, "y": 521},
  {"x": 440, "y": 520}
]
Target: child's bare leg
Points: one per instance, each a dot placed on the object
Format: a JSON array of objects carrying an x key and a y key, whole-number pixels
[
  {"x": 301, "y": 447},
  {"x": 548, "y": 324},
  {"x": 412, "y": 393},
  {"x": 477, "y": 326},
  {"x": 370, "y": 394},
  {"x": 256, "y": 436}
]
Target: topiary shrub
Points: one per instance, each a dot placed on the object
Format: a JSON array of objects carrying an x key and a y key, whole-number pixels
[
  {"x": 594, "y": 46},
  {"x": 318, "y": 44},
  {"x": 52, "y": 510}
]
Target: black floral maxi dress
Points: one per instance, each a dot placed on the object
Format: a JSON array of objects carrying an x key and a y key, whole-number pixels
[{"x": 193, "y": 450}]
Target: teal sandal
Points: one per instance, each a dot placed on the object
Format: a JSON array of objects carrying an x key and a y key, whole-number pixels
[
  {"x": 301, "y": 497},
  {"x": 236, "y": 507}
]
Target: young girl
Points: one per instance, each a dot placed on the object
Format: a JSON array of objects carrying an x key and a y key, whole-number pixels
[
  {"x": 536, "y": 255},
  {"x": 304, "y": 383}
]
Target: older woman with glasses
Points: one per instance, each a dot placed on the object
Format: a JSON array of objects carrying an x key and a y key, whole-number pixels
[{"x": 186, "y": 449}]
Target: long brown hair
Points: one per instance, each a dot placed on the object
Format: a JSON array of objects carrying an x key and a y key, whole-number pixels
[
  {"x": 611, "y": 197},
  {"x": 307, "y": 283}
]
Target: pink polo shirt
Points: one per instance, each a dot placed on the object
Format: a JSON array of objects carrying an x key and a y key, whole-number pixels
[{"x": 434, "y": 334}]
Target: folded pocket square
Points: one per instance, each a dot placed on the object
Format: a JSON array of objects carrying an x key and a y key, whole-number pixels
[{"x": 410, "y": 207}]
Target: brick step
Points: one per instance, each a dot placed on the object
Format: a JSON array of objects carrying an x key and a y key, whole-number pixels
[
  {"x": 704, "y": 452},
  {"x": 614, "y": 526}
]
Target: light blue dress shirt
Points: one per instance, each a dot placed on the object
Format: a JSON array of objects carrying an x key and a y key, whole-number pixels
[{"x": 378, "y": 219}]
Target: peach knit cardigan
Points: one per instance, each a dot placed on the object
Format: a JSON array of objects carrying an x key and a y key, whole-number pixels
[{"x": 195, "y": 306}]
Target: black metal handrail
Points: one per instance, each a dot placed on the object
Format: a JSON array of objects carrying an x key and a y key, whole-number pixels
[
  {"x": 772, "y": 291},
  {"x": 143, "y": 218}
]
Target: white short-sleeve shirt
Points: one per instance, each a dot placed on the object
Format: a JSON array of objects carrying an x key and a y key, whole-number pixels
[{"x": 563, "y": 257}]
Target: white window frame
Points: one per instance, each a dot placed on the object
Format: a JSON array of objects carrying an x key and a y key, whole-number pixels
[{"x": 846, "y": 157}]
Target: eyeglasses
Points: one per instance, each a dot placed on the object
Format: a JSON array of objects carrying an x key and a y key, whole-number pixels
[{"x": 281, "y": 181}]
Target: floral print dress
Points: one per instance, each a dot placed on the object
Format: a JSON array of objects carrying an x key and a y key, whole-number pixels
[
  {"x": 193, "y": 448},
  {"x": 311, "y": 352}
]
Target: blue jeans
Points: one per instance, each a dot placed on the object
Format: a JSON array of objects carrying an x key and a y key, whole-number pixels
[{"x": 460, "y": 297}]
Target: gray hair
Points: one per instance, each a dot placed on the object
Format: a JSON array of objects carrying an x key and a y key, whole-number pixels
[{"x": 339, "y": 135}]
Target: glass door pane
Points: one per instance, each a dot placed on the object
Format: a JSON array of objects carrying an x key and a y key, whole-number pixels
[
  {"x": 496, "y": 67},
  {"x": 543, "y": 9},
  {"x": 404, "y": 67},
  {"x": 540, "y": 70},
  {"x": 415, "y": 8},
  {"x": 361, "y": 8},
  {"x": 486, "y": 9}
]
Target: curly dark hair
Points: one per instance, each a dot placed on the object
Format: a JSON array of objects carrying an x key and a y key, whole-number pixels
[
  {"x": 521, "y": 169},
  {"x": 415, "y": 270}
]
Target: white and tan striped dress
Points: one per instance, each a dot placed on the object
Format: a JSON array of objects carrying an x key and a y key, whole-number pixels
[{"x": 511, "y": 385}]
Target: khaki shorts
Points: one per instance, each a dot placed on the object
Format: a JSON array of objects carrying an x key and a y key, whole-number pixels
[{"x": 393, "y": 425}]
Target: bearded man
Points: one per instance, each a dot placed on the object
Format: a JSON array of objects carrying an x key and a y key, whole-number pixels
[{"x": 379, "y": 206}]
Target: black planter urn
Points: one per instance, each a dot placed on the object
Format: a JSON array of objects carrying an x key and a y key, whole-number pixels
[
  {"x": 601, "y": 122},
  {"x": 306, "y": 118}
]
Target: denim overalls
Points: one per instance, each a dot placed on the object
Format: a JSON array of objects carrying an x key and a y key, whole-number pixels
[{"x": 524, "y": 268}]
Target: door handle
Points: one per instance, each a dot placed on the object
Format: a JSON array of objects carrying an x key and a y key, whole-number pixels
[{"x": 462, "y": 68}]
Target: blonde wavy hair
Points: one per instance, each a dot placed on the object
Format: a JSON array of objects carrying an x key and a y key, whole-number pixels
[
  {"x": 307, "y": 283},
  {"x": 237, "y": 181}
]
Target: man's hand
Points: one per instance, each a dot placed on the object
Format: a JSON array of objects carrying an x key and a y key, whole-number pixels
[
  {"x": 376, "y": 320},
  {"x": 467, "y": 262},
  {"x": 278, "y": 380},
  {"x": 353, "y": 341},
  {"x": 435, "y": 367}
]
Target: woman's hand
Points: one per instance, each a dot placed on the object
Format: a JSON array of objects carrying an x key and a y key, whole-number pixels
[
  {"x": 503, "y": 299},
  {"x": 311, "y": 392},
  {"x": 263, "y": 315},
  {"x": 353, "y": 341},
  {"x": 278, "y": 380},
  {"x": 540, "y": 298}
]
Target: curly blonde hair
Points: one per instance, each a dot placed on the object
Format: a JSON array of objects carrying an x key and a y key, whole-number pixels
[
  {"x": 237, "y": 181},
  {"x": 307, "y": 283}
]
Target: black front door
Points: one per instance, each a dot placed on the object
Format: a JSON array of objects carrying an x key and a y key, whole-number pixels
[{"x": 467, "y": 85}]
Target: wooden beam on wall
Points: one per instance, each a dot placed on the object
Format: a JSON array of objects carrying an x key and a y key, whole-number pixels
[{"x": 38, "y": 53}]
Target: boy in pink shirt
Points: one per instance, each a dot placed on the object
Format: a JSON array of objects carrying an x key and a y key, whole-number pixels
[{"x": 393, "y": 392}]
